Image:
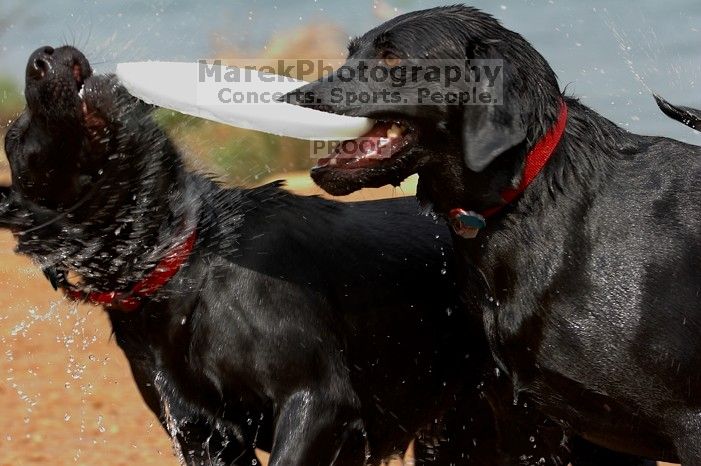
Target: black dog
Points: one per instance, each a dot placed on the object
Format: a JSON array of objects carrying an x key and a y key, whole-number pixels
[
  {"x": 251, "y": 317},
  {"x": 587, "y": 236},
  {"x": 691, "y": 117}
]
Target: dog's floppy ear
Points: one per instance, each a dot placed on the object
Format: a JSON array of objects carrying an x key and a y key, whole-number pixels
[{"x": 490, "y": 130}]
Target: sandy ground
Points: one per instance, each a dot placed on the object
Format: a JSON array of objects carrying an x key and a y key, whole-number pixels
[{"x": 66, "y": 394}]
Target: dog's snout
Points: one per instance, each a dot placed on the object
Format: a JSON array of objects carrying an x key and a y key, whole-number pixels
[
  {"x": 306, "y": 98},
  {"x": 321, "y": 107},
  {"x": 47, "y": 60},
  {"x": 41, "y": 65},
  {"x": 298, "y": 97},
  {"x": 40, "y": 62}
]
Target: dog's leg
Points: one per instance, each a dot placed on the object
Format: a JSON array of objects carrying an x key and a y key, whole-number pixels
[
  {"x": 524, "y": 436},
  {"x": 465, "y": 446},
  {"x": 201, "y": 443},
  {"x": 315, "y": 428},
  {"x": 196, "y": 440},
  {"x": 463, "y": 437}
]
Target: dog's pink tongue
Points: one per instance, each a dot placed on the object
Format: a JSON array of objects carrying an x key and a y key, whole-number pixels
[{"x": 367, "y": 146}]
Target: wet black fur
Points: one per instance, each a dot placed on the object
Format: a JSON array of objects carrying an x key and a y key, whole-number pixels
[{"x": 590, "y": 297}]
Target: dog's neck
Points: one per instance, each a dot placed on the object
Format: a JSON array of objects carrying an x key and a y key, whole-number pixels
[
  {"x": 137, "y": 211},
  {"x": 569, "y": 164},
  {"x": 468, "y": 223},
  {"x": 577, "y": 167}
]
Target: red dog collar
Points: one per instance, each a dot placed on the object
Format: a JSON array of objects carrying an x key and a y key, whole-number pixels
[
  {"x": 468, "y": 223},
  {"x": 128, "y": 301}
]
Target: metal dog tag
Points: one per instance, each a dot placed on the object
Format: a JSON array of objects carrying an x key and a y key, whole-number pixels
[{"x": 466, "y": 223}]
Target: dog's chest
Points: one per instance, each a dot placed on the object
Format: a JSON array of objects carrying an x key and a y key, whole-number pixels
[
  {"x": 549, "y": 339},
  {"x": 523, "y": 300},
  {"x": 507, "y": 294}
]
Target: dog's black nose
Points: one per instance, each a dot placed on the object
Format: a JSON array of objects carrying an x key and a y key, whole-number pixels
[{"x": 40, "y": 62}]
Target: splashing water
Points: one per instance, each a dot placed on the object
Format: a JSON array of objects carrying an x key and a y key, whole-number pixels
[
  {"x": 50, "y": 367},
  {"x": 625, "y": 46},
  {"x": 171, "y": 422}
]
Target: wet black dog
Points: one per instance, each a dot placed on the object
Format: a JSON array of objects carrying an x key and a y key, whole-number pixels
[
  {"x": 691, "y": 117},
  {"x": 587, "y": 236}
]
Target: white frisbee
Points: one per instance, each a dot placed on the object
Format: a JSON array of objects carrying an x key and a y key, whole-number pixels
[{"x": 236, "y": 97}]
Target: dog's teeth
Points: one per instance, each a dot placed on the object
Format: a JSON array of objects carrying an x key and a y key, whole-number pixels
[
  {"x": 81, "y": 92},
  {"x": 394, "y": 132}
]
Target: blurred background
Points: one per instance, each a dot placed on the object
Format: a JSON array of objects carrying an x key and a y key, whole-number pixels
[{"x": 66, "y": 396}]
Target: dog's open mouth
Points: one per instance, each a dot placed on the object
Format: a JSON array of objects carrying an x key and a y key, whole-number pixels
[
  {"x": 93, "y": 121},
  {"x": 383, "y": 143},
  {"x": 77, "y": 71}
]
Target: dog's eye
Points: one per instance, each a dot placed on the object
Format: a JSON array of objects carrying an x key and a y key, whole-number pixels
[{"x": 391, "y": 59}]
